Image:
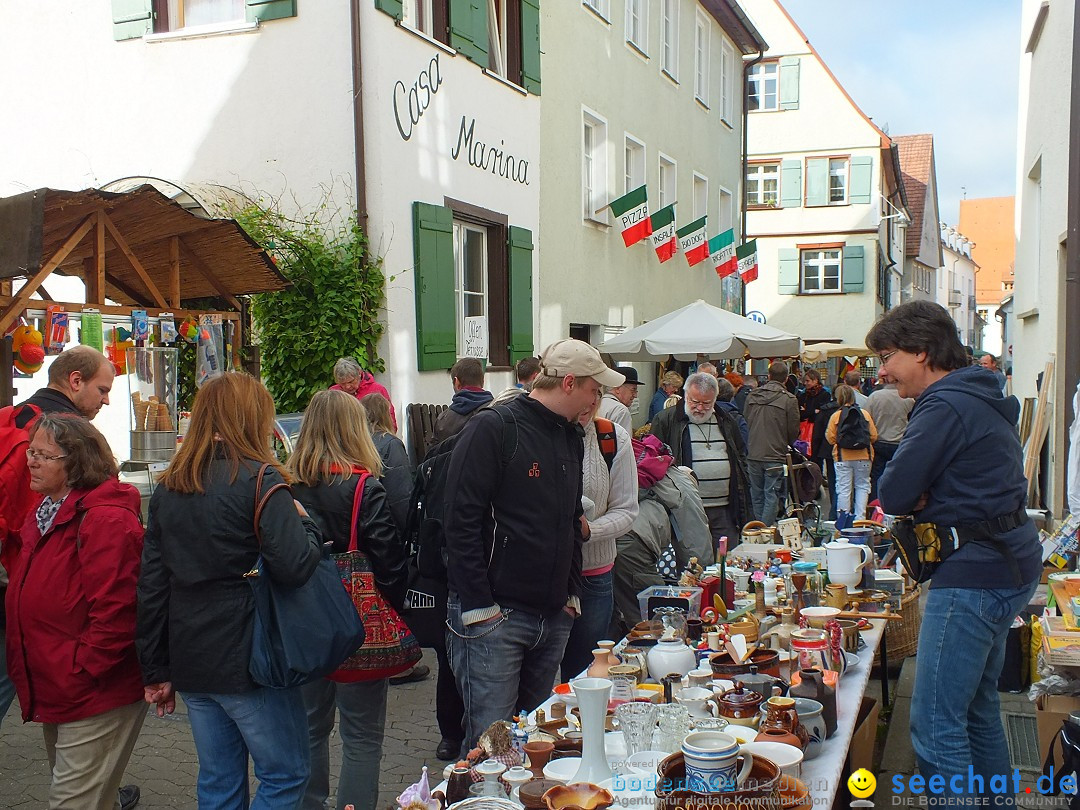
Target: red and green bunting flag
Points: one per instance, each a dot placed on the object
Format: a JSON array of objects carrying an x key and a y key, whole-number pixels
[
  {"x": 747, "y": 256},
  {"x": 632, "y": 211},
  {"x": 663, "y": 233},
  {"x": 722, "y": 250},
  {"x": 693, "y": 242}
]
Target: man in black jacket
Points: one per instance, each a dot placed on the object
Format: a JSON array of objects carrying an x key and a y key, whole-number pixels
[{"x": 514, "y": 528}]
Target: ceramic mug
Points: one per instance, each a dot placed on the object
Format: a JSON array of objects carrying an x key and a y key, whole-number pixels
[
  {"x": 698, "y": 701},
  {"x": 712, "y": 761}
]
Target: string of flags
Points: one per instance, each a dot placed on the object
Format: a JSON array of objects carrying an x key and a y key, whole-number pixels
[{"x": 636, "y": 224}]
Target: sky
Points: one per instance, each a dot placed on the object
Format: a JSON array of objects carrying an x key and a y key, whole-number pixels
[{"x": 946, "y": 67}]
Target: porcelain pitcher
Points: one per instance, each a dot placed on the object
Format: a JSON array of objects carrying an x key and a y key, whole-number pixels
[{"x": 846, "y": 562}]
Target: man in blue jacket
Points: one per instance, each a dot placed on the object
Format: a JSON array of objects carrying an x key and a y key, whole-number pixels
[
  {"x": 959, "y": 466},
  {"x": 514, "y": 528}
]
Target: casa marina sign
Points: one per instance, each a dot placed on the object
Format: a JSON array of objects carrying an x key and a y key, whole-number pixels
[{"x": 411, "y": 103}]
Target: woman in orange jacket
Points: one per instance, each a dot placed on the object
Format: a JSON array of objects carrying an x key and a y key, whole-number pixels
[{"x": 853, "y": 440}]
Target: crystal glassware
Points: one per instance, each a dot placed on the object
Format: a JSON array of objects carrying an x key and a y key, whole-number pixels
[
  {"x": 637, "y": 721},
  {"x": 673, "y": 725}
]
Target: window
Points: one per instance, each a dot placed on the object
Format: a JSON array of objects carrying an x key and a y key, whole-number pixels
[
  {"x": 727, "y": 211},
  {"x": 637, "y": 21},
  {"x": 594, "y": 193},
  {"x": 762, "y": 184},
  {"x": 668, "y": 189},
  {"x": 701, "y": 60},
  {"x": 634, "y": 164},
  {"x": 820, "y": 271},
  {"x": 669, "y": 37},
  {"x": 763, "y": 85},
  {"x": 601, "y": 7},
  {"x": 470, "y": 278},
  {"x": 190, "y": 13},
  {"x": 838, "y": 181},
  {"x": 417, "y": 14},
  {"x": 504, "y": 38},
  {"x": 727, "y": 82},
  {"x": 701, "y": 196}
]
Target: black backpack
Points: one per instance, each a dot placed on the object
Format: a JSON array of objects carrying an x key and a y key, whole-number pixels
[{"x": 853, "y": 431}]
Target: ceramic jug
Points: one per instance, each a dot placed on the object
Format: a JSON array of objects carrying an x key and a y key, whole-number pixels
[
  {"x": 781, "y": 717},
  {"x": 846, "y": 562},
  {"x": 600, "y": 664}
]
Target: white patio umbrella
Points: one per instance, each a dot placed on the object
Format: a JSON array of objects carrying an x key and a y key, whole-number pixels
[{"x": 701, "y": 328}]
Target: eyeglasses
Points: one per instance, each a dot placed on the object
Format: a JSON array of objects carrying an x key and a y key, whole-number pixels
[
  {"x": 884, "y": 358},
  {"x": 34, "y": 455}
]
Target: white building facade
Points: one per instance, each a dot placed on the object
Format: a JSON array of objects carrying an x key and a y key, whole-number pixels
[{"x": 956, "y": 284}]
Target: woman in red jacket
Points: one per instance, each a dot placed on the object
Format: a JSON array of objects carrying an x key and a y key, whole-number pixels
[{"x": 71, "y": 612}]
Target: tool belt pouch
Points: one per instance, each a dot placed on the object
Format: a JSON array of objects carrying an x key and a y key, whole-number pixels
[{"x": 920, "y": 547}]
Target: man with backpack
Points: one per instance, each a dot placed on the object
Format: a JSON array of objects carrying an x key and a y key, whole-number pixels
[
  {"x": 852, "y": 434},
  {"x": 773, "y": 415},
  {"x": 513, "y": 529}
]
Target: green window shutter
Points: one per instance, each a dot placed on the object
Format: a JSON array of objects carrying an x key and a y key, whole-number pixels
[
  {"x": 817, "y": 181},
  {"x": 789, "y": 83},
  {"x": 391, "y": 7},
  {"x": 433, "y": 279},
  {"x": 530, "y": 45},
  {"x": 469, "y": 29},
  {"x": 789, "y": 271},
  {"x": 266, "y": 10},
  {"x": 132, "y": 18},
  {"x": 862, "y": 172},
  {"x": 521, "y": 301},
  {"x": 791, "y": 184},
  {"x": 853, "y": 268}
]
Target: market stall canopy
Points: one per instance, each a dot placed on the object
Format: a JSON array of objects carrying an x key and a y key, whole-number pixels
[
  {"x": 138, "y": 248},
  {"x": 820, "y": 352},
  {"x": 701, "y": 328}
]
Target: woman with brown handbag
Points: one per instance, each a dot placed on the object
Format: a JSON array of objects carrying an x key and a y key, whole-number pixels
[{"x": 336, "y": 467}]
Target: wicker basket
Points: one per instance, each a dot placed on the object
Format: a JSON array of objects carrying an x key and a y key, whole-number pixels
[{"x": 902, "y": 638}]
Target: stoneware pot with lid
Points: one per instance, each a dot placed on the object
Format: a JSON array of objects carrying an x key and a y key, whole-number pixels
[{"x": 740, "y": 705}]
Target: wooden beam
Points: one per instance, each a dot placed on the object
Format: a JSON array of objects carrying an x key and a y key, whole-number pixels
[
  {"x": 15, "y": 305},
  {"x": 99, "y": 261},
  {"x": 44, "y": 293},
  {"x": 135, "y": 295},
  {"x": 136, "y": 265},
  {"x": 174, "y": 271},
  {"x": 74, "y": 309},
  {"x": 199, "y": 266}
]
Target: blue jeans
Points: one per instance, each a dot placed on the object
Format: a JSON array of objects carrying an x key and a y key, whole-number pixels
[
  {"x": 766, "y": 478},
  {"x": 955, "y": 714},
  {"x": 506, "y": 665},
  {"x": 361, "y": 709},
  {"x": 597, "y": 601},
  {"x": 7, "y": 688},
  {"x": 853, "y": 475},
  {"x": 267, "y": 723}
]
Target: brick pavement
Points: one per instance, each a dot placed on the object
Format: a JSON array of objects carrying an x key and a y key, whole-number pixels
[{"x": 164, "y": 764}]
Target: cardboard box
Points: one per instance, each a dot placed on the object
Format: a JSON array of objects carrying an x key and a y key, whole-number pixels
[
  {"x": 1050, "y": 713},
  {"x": 861, "y": 750}
]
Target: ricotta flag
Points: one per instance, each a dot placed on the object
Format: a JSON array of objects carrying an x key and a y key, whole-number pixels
[
  {"x": 632, "y": 210},
  {"x": 693, "y": 242},
  {"x": 747, "y": 256},
  {"x": 663, "y": 233},
  {"x": 722, "y": 250}
]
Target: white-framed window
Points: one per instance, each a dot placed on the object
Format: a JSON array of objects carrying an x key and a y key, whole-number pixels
[
  {"x": 701, "y": 195},
  {"x": 417, "y": 15},
  {"x": 762, "y": 184},
  {"x": 728, "y": 76},
  {"x": 637, "y": 24},
  {"x": 701, "y": 59},
  {"x": 764, "y": 84},
  {"x": 669, "y": 37},
  {"x": 594, "y": 191},
  {"x": 601, "y": 7},
  {"x": 668, "y": 181},
  {"x": 838, "y": 181},
  {"x": 819, "y": 270},
  {"x": 192, "y": 13},
  {"x": 498, "y": 37},
  {"x": 470, "y": 276},
  {"x": 726, "y": 219},
  {"x": 633, "y": 163}
]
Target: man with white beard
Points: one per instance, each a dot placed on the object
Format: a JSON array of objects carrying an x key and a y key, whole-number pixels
[{"x": 706, "y": 438}]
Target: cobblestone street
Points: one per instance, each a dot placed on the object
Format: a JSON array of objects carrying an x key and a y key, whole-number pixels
[{"x": 164, "y": 764}]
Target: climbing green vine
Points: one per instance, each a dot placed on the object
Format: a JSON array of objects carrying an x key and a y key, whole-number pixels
[{"x": 330, "y": 311}]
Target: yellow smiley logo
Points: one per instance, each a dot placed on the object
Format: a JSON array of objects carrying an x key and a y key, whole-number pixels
[{"x": 862, "y": 783}]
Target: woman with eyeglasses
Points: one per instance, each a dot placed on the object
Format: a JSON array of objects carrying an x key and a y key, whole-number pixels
[{"x": 71, "y": 611}]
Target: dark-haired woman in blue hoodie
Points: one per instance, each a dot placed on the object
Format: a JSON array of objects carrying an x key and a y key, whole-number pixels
[{"x": 960, "y": 467}]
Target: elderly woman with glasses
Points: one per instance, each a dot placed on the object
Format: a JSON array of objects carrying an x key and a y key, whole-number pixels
[
  {"x": 71, "y": 611},
  {"x": 350, "y": 378}
]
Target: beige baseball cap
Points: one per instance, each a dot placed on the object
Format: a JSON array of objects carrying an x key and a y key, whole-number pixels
[{"x": 570, "y": 356}]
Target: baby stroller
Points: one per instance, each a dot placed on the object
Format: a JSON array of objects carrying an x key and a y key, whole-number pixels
[{"x": 804, "y": 486}]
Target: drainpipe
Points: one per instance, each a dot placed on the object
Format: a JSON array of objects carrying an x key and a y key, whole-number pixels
[
  {"x": 745, "y": 157},
  {"x": 358, "y": 117},
  {"x": 1072, "y": 253}
]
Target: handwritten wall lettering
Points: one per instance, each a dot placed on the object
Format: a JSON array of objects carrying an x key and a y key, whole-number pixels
[
  {"x": 411, "y": 104},
  {"x": 489, "y": 158}
]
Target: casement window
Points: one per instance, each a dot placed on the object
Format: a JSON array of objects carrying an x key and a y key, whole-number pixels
[
  {"x": 420, "y": 15},
  {"x": 633, "y": 164},
  {"x": 594, "y": 190},
  {"x": 669, "y": 37},
  {"x": 820, "y": 269},
  {"x": 728, "y": 77},
  {"x": 727, "y": 211},
  {"x": 701, "y": 195},
  {"x": 469, "y": 263},
  {"x": 836, "y": 180},
  {"x": 701, "y": 59},
  {"x": 763, "y": 95},
  {"x": 135, "y": 18},
  {"x": 601, "y": 7},
  {"x": 762, "y": 185},
  {"x": 637, "y": 24},
  {"x": 668, "y": 181}
]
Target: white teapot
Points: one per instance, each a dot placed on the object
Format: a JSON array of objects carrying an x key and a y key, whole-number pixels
[{"x": 846, "y": 561}]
